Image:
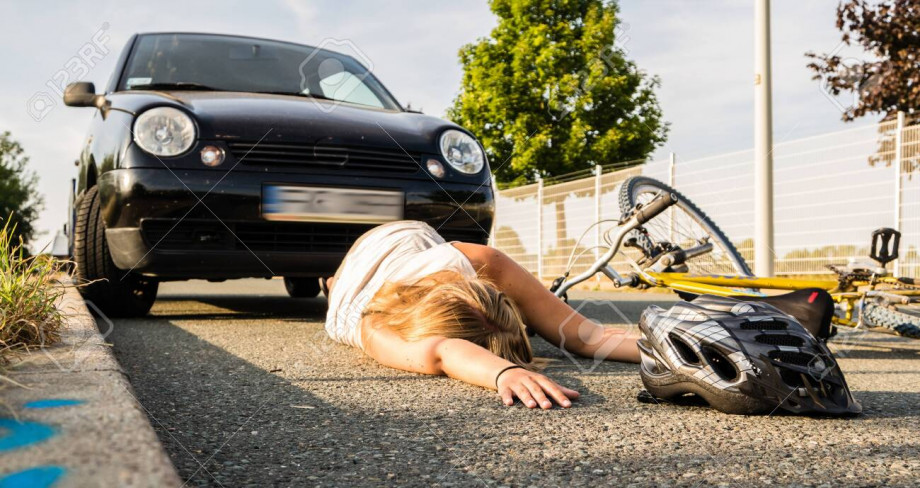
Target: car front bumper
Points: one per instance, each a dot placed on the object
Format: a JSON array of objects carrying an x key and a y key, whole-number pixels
[{"x": 182, "y": 224}]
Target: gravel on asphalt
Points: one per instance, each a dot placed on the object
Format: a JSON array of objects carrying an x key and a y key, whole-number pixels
[{"x": 244, "y": 388}]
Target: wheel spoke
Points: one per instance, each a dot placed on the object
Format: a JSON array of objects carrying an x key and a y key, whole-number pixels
[{"x": 685, "y": 226}]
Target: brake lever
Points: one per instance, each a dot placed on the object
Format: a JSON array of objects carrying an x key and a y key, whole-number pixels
[
  {"x": 556, "y": 284},
  {"x": 633, "y": 221},
  {"x": 678, "y": 257}
]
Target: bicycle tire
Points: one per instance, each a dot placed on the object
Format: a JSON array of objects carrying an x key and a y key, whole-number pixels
[
  {"x": 633, "y": 187},
  {"x": 903, "y": 324}
]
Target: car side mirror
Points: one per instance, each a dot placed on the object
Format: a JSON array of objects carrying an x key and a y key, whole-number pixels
[{"x": 82, "y": 94}]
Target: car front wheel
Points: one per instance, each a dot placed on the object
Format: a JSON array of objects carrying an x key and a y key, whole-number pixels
[
  {"x": 302, "y": 287},
  {"x": 114, "y": 292}
]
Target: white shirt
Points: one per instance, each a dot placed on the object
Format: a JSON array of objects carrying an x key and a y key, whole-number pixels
[{"x": 396, "y": 252}]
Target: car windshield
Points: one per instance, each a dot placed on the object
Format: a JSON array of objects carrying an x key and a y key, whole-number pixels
[{"x": 223, "y": 63}]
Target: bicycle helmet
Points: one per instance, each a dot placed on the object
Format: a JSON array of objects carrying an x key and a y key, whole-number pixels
[{"x": 742, "y": 357}]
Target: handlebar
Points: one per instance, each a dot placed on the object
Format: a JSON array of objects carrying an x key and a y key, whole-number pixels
[
  {"x": 680, "y": 256},
  {"x": 655, "y": 207},
  {"x": 641, "y": 216}
]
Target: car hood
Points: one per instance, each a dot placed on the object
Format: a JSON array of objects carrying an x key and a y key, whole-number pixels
[{"x": 236, "y": 116}]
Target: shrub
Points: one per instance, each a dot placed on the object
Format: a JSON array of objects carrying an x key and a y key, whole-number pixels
[{"x": 28, "y": 294}]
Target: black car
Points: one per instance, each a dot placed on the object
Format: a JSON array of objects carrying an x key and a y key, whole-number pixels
[{"x": 217, "y": 157}]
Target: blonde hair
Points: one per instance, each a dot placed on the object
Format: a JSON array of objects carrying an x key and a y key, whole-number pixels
[{"x": 447, "y": 304}]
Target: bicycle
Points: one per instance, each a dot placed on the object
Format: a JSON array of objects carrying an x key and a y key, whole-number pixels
[{"x": 678, "y": 247}]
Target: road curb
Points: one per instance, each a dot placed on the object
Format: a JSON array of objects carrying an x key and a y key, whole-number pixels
[{"x": 77, "y": 421}]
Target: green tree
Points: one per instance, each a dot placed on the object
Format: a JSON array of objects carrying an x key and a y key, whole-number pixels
[
  {"x": 19, "y": 198},
  {"x": 549, "y": 92}
]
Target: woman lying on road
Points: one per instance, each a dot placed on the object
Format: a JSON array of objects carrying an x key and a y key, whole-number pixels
[{"x": 414, "y": 302}]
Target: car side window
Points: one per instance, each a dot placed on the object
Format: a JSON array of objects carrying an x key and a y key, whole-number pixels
[{"x": 348, "y": 87}]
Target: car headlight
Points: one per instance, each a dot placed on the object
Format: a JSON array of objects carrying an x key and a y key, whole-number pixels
[
  {"x": 462, "y": 152},
  {"x": 164, "y": 131}
]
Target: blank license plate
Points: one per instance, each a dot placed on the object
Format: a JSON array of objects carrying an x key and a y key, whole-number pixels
[{"x": 323, "y": 204}]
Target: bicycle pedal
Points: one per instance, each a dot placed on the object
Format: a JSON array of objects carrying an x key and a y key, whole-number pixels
[{"x": 885, "y": 244}]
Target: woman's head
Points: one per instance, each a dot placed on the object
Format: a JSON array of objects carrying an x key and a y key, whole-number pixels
[{"x": 447, "y": 304}]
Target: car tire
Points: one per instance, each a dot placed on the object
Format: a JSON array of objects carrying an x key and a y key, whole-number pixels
[
  {"x": 302, "y": 287},
  {"x": 112, "y": 291}
]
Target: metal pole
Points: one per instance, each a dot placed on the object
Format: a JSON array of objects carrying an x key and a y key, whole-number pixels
[
  {"x": 672, "y": 162},
  {"x": 763, "y": 143},
  {"x": 539, "y": 228},
  {"x": 898, "y": 155},
  {"x": 598, "y": 173}
]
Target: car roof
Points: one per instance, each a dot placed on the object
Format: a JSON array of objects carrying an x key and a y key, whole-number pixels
[{"x": 169, "y": 33}]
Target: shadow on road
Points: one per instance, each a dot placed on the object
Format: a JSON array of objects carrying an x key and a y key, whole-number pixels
[
  {"x": 243, "y": 307},
  {"x": 881, "y": 404},
  {"x": 224, "y": 420}
]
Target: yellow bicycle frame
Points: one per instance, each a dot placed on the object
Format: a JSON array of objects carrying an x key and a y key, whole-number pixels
[{"x": 734, "y": 285}]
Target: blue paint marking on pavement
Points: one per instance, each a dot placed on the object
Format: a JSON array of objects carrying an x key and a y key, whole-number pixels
[
  {"x": 53, "y": 403},
  {"x": 21, "y": 434},
  {"x": 40, "y": 477}
]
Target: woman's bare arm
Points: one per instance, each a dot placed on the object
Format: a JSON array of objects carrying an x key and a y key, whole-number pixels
[
  {"x": 465, "y": 361},
  {"x": 552, "y": 318}
]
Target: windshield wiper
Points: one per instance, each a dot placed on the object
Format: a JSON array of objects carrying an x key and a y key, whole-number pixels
[
  {"x": 296, "y": 94},
  {"x": 187, "y": 85},
  {"x": 181, "y": 85}
]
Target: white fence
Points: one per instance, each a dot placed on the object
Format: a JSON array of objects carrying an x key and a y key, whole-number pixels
[{"x": 831, "y": 192}]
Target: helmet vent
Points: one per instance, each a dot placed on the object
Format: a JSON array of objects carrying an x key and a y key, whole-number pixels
[
  {"x": 684, "y": 350},
  {"x": 792, "y": 357},
  {"x": 764, "y": 325},
  {"x": 780, "y": 340},
  {"x": 792, "y": 378},
  {"x": 720, "y": 364}
]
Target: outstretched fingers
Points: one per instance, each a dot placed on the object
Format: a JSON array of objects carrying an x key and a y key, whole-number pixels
[
  {"x": 534, "y": 390},
  {"x": 524, "y": 395},
  {"x": 507, "y": 395},
  {"x": 562, "y": 395}
]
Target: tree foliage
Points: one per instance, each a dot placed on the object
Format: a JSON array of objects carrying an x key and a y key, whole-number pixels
[
  {"x": 19, "y": 197},
  {"x": 889, "y": 31},
  {"x": 549, "y": 92}
]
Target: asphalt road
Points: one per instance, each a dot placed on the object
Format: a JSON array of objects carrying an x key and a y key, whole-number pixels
[{"x": 245, "y": 389}]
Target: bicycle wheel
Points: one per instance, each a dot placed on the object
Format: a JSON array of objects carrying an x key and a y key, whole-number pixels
[
  {"x": 684, "y": 225},
  {"x": 904, "y": 324}
]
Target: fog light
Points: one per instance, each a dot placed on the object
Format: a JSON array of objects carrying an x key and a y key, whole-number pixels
[
  {"x": 435, "y": 168},
  {"x": 212, "y": 156}
]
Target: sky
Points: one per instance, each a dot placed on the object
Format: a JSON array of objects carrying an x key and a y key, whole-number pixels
[{"x": 702, "y": 51}]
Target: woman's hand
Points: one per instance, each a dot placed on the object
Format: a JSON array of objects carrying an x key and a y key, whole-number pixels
[
  {"x": 533, "y": 389},
  {"x": 461, "y": 359}
]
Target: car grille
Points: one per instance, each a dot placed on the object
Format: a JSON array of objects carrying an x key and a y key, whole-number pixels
[
  {"x": 326, "y": 156},
  {"x": 205, "y": 235}
]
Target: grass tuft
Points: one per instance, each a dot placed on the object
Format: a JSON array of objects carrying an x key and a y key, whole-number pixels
[{"x": 29, "y": 291}]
